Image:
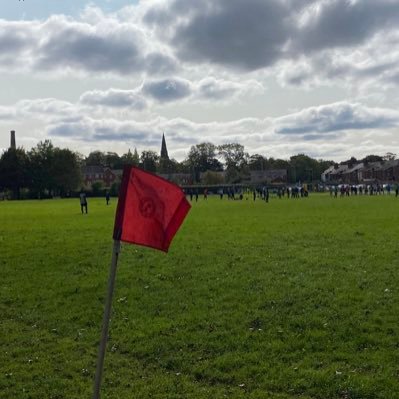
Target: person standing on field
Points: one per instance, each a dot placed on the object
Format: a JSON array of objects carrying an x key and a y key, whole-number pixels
[
  {"x": 107, "y": 197},
  {"x": 83, "y": 201}
]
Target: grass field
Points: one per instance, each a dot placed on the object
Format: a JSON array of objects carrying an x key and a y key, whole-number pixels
[{"x": 290, "y": 299}]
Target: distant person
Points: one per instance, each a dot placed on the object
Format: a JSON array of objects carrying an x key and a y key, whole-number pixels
[
  {"x": 107, "y": 197},
  {"x": 83, "y": 201},
  {"x": 196, "y": 195},
  {"x": 205, "y": 193}
]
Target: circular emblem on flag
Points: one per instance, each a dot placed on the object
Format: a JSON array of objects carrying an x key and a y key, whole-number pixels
[{"x": 147, "y": 207}]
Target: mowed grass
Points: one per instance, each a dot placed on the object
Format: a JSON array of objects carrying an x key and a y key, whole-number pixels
[{"x": 290, "y": 299}]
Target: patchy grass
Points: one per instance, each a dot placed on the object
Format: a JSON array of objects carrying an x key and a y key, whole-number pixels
[{"x": 290, "y": 299}]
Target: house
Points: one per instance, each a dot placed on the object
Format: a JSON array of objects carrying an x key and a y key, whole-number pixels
[
  {"x": 363, "y": 172},
  {"x": 389, "y": 171},
  {"x": 370, "y": 169},
  {"x": 336, "y": 174},
  {"x": 100, "y": 174},
  {"x": 326, "y": 175},
  {"x": 353, "y": 174}
]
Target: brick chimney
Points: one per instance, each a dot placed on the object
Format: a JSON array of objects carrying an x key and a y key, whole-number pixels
[{"x": 12, "y": 140}]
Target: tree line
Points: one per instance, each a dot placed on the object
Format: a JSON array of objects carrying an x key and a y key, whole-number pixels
[{"x": 46, "y": 170}]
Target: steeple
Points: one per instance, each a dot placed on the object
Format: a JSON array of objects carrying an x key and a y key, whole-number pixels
[{"x": 164, "y": 150}]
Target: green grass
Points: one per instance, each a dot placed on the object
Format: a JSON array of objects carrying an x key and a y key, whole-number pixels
[{"x": 290, "y": 299}]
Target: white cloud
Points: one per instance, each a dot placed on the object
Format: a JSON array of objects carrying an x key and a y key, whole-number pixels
[
  {"x": 219, "y": 89},
  {"x": 172, "y": 90},
  {"x": 180, "y": 61},
  {"x": 7, "y": 113},
  {"x": 336, "y": 117},
  {"x": 59, "y": 45},
  {"x": 317, "y": 131},
  {"x": 167, "y": 90},
  {"x": 131, "y": 99}
]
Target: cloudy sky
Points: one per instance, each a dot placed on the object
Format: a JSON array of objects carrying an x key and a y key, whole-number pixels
[{"x": 281, "y": 77}]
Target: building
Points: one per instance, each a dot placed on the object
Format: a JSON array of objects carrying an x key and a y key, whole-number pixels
[
  {"x": 12, "y": 140},
  {"x": 100, "y": 174},
  {"x": 353, "y": 174},
  {"x": 335, "y": 175},
  {"x": 388, "y": 171},
  {"x": 164, "y": 150},
  {"x": 369, "y": 171},
  {"x": 363, "y": 172},
  {"x": 326, "y": 175}
]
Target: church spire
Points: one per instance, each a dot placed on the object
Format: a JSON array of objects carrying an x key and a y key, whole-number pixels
[{"x": 164, "y": 150}]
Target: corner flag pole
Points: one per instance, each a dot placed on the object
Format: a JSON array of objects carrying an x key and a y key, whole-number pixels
[{"x": 107, "y": 315}]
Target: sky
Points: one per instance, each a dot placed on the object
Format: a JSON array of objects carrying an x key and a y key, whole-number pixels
[{"x": 280, "y": 77}]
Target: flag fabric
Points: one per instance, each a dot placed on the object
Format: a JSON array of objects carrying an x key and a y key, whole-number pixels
[{"x": 150, "y": 209}]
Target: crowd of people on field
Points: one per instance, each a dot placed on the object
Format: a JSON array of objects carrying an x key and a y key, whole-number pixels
[
  {"x": 299, "y": 191},
  {"x": 239, "y": 193},
  {"x": 264, "y": 192},
  {"x": 363, "y": 189}
]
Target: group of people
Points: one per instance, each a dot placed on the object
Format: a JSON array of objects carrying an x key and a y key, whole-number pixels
[
  {"x": 366, "y": 189},
  {"x": 237, "y": 193}
]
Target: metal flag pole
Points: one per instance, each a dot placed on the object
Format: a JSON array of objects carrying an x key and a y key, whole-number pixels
[{"x": 107, "y": 315}]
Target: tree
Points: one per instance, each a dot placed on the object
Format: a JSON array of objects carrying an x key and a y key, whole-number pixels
[
  {"x": 211, "y": 177},
  {"x": 257, "y": 162},
  {"x": 233, "y": 154},
  {"x": 96, "y": 158},
  {"x": 41, "y": 160},
  {"x": 278, "y": 163},
  {"x": 202, "y": 157},
  {"x": 389, "y": 156},
  {"x": 130, "y": 159},
  {"x": 372, "y": 158},
  {"x": 149, "y": 161},
  {"x": 236, "y": 161},
  {"x": 97, "y": 188},
  {"x": 168, "y": 166},
  {"x": 65, "y": 170},
  {"x": 113, "y": 160},
  {"x": 13, "y": 170},
  {"x": 304, "y": 168}
]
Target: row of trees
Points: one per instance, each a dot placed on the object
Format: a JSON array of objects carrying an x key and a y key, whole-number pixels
[
  {"x": 43, "y": 169},
  {"x": 48, "y": 170},
  {"x": 207, "y": 157}
]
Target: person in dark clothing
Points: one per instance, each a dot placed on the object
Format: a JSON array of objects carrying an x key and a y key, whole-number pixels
[
  {"x": 107, "y": 197},
  {"x": 83, "y": 201}
]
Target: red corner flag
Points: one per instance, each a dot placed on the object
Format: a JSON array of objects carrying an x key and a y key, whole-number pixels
[{"x": 150, "y": 209}]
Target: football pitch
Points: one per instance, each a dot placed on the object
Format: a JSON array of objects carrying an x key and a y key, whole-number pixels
[{"x": 295, "y": 298}]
